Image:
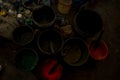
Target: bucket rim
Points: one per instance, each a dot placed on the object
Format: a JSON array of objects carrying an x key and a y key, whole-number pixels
[
  {"x": 31, "y": 30},
  {"x": 82, "y": 33},
  {"x": 44, "y": 25}
]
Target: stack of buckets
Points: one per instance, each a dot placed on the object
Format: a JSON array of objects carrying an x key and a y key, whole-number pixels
[{"x": 56, "y": 52}]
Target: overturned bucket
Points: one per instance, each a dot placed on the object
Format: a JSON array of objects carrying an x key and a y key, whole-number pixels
[
  {"x": 43, "y": 16},
  {"x": 26, "y": 59},
  {"x": 75, "y": 52}
]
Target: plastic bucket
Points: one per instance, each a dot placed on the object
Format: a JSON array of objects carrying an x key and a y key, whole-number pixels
[
  {"x": 26, "y": 59},
  {"x": 88, "y": 23},
  {"x": 100, "y": 53},
  {"x": 64, "y": 6},
  {"x": 50, "y": 41},
  {"x": 75, "y": 52},
  {"x": 23, "y": 35},
  {"x": 44, "y": 72},
  {"x": 43, "y": 16}
]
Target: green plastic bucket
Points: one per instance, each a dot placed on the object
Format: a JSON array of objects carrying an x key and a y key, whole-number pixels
[{"x": 26, "y": 59}]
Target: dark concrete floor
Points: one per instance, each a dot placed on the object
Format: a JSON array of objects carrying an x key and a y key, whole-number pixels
[{"x": 108, "y": 69}]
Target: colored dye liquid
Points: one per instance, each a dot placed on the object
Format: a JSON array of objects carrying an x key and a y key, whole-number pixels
[{"x": 27, "y": 61}]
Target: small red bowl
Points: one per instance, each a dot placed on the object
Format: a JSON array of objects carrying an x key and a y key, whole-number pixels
[{"x": 100, "y": 53}]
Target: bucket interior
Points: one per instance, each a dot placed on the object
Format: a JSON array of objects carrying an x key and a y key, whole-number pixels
[
  {"x": 43, "y": 15},
  {"x": 75, "y": 52},
  {"x": 26, "y": 59},
  {"x": 50, "y": 41},
  {"x": 22, "y": 35},
  {"x": 89, "y": 22}
]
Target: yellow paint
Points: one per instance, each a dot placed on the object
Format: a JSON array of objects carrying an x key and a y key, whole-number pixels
[{"x": 64, "y": 6}]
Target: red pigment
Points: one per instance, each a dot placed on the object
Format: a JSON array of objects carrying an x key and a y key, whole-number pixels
[
  {"x": 56, "y": 75},
  {"x": 100, "y": 53}
]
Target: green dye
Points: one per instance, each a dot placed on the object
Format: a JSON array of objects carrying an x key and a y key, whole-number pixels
[{"x": 27, "y": 61}]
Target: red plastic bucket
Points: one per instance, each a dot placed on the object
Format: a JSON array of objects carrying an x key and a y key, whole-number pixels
[
  {"x": 43, "y": 72},
  {"x": 100, "y": 53}
]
